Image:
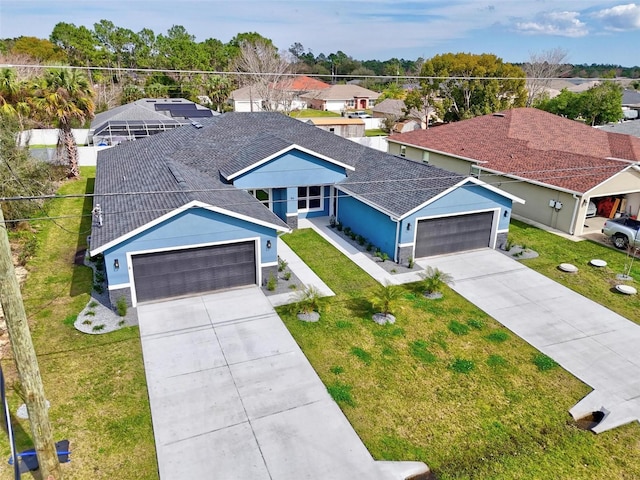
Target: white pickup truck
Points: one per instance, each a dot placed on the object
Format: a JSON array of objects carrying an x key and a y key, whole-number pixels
[{"x": 623, "y": 231}]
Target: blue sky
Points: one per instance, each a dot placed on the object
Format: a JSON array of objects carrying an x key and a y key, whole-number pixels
[{"x": 591, "y": 31}]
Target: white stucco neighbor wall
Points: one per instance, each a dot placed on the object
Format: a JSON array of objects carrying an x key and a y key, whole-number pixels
[{"x": 49, "y": 136}]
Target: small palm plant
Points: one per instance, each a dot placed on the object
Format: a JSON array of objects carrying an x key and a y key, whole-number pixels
[
  {"x": 434, "y": 280},
  {"x": 307, "y": 303},
  {"x": 385, "y": 299}
]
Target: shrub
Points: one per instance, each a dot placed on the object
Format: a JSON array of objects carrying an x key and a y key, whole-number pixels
[
  {"x": 293, "y": 286},
  {"x": 99, "y": 277},
  {"x": 93, "y": 304},
  {"x": 282, "y": 264},
  {"x": 90, "y": 313},
  {"x": 98, "y": 287},
  {"x": 332, "y": 221},
  {"x": 347, "y": 230},
  {"x": 369, "y": 247},
  {"x": 287, "y": 276},
  {"x": 339, "y": 226},
  {"x": 458, "y": 328},
  {"x": 361, "y": 240},
  {"x": 543, "y": 362},
  {"x": 410, "y": 262},
  {"x": 87, "y": 322},
  {"x": 272, "y": 282},
  {"x": 460, "y": 365},
  {"x": 98, "y": 328},
  {"x": 352, "y": 235},
  {"x": 121, "y": 306}
]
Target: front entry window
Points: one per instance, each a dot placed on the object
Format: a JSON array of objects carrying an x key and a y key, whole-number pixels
[
  {"x": 310, "y": 198},
  {"x": 263, "y": 195}
]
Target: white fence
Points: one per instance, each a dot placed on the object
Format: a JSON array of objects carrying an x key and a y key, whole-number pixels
[
  {"x": 87, "y": 156},
  {"x": 377, "y": 143},
  {"x": 49, "y": 137}
]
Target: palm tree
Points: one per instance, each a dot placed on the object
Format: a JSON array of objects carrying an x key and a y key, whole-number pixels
[
  {"x": 385, "y": 298},
  {"x": 65, "y": 98},
  {"x": 15, "y": 96},
  {"x": 434, "y": 279}
]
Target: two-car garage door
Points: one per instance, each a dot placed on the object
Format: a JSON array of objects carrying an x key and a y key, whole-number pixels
[
  {"x": 194, "y": 270},
  {"x": 437, "y": 236}
]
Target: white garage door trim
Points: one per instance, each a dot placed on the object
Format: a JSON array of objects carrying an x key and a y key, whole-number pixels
[
  {"x": 256, "y": 240},
  {"x": 494, "y": 224}
]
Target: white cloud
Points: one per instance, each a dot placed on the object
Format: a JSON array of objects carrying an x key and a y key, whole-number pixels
[
  {"x": 564, "y": 24},
  {"x": 620, "y": 18}
]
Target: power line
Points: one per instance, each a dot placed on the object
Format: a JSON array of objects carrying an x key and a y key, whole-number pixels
[{"x": 322, "y": 75}]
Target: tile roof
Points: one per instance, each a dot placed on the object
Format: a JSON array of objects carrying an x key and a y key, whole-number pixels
[
  {"x": 164, "y": 172},
  {"x": 533, "y": 144}
]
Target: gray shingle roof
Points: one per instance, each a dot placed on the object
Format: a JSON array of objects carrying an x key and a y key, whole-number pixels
[{"x": 171, "y": 169}]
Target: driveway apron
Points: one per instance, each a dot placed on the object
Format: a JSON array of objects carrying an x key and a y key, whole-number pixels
[
  {"x": 233, "y": 397},
  {"x": 595, "y": 344}
]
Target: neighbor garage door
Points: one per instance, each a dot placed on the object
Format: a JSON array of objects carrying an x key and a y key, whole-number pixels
[
  {"x": 195, "y": 270},
  {"x": 436, "y": 236}
]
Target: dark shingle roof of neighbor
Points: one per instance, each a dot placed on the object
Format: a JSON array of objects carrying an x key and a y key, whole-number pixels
[{"x": 189, "y": 163}]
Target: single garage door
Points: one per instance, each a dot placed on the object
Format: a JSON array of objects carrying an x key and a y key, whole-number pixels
[
  {"x": 436, "y": 236},
  {"x": 194, "y": 270}
]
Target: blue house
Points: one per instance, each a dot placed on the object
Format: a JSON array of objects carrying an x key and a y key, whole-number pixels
[{"x": 199, "y": 208}]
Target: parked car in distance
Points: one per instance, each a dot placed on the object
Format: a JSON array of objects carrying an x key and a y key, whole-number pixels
[
  {"x": 623, "y": 231},
  {"x": 358, "y": 114},
  {"x": 591, "y": 210}
]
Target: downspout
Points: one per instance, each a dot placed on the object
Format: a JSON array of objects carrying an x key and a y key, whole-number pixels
[
  {"x": 575, "y": 213},
  {"x": 395, "y": 257}
]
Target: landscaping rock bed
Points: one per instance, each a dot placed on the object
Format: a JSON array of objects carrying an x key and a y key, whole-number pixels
[
  {"x": 519, "y": 253},
  {"x": 284, "y": 286},
  {"x": 98, "y": 316},
  {"x": 388, "y": 265}
]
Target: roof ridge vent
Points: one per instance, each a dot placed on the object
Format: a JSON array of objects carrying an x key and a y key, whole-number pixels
[
  {"x": 196, "y": 124},
  {"x": 177, "y": 175},
  {"x": 498, "y": 114}
]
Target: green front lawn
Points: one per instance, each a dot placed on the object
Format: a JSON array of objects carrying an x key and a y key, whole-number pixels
[
  {"x": 310, "y": 112},
  {"x": 95, "y": 383},
  {"x": 448, "y": 385},
  {"x": 594, "y": 283}
]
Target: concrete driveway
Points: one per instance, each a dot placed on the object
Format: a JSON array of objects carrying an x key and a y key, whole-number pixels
[
  {"x": 233, "y": 397},
  {"x": 595, "y": 344}
]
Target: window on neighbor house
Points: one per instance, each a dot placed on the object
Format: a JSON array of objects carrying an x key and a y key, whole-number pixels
[
  {"x": 263, "y": 195},
  {"x": 372, "y": 102},
  {"x": 351, "y": 103},
  {"x": 310, "y": 198},
  {"x": 332, "y": 130},
  {"x": 475, "y": 171},
  {"x": 403, "y": 150}
]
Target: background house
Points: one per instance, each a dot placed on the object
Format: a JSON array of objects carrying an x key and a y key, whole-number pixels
[
  {"x": 200, "y": 207},
  {"x": 143, "y": 118},
  {"x": 345, "y": 127},
  {"x": 340, "y": 98},
  {"x": 284, "y": 95},
  {"x": 557, "y": 165}
]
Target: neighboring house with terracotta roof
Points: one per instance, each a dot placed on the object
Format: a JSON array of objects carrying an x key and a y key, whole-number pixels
[
  {"x": 200, "y": 208},
  {"x": 557, "y": 165},
  {"x": 341, "y": 98},
  {"x": 344, "y": 127},
  {"x": 284, "y": 95}
]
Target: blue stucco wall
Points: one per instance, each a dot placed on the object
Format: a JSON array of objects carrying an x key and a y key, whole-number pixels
[
  {"x": 291, "y": 169},
  {"x": 467, "y": 198},
  {"x": 195, "y": 226},
  {"x": 372, "y": 224}
]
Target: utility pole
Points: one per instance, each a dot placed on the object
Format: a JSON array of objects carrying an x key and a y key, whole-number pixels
[{"x": 26, "y": 361}]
